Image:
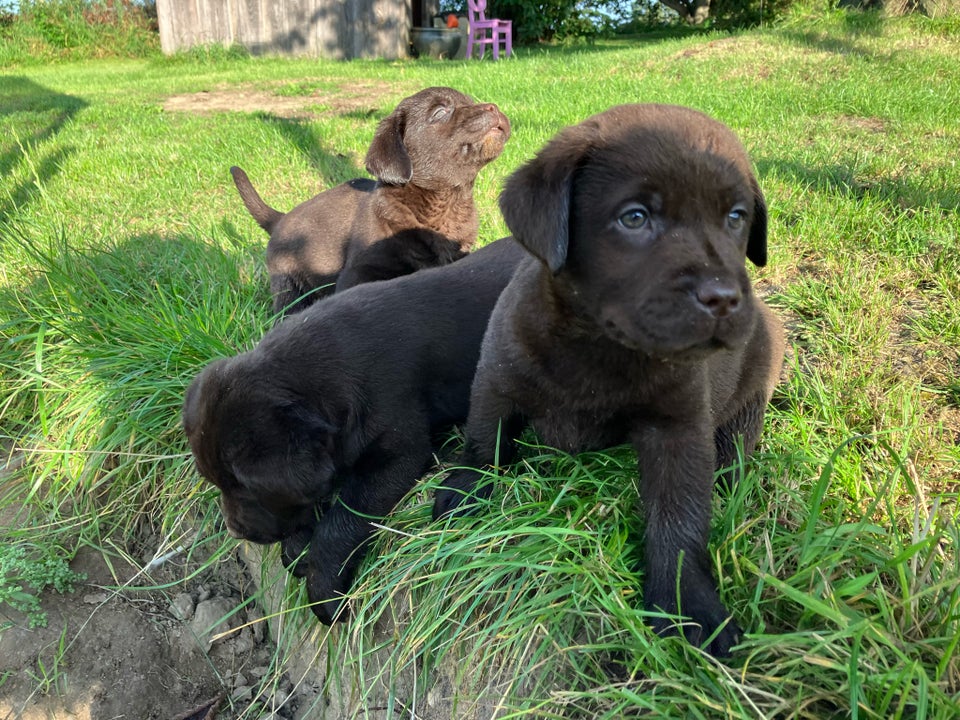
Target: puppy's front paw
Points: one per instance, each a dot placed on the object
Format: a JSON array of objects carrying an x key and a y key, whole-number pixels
[
  {"x": 708, "y": 619},
  {"x": 459, "y": 493},
  {"x": 728, "y": 637},
  {"x": 330, "y": 611},
  {"x": 725, "y": 633},
  {"x": 293, "y": 552},
  {"x": 327, "y": 594}
]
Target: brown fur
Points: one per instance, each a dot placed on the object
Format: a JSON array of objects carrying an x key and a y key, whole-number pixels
[
  {"x": 635, "y": 321},
  {"x": 418, "y": 213}
]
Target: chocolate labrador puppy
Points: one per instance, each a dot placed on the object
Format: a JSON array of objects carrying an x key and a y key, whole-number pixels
[
  {"x": 634, "y": 321},
  {"x": 335, "y": 408},
  {"x": 418, "y": 213}
]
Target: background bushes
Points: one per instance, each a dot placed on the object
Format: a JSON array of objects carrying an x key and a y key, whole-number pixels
[{"x": 39, "y": 30}]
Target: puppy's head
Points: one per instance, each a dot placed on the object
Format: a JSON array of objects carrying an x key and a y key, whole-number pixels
[
  {"x": 435, "y": 139},
  {"x": 644, "y": 216},
  {"x": 267, "y": 450}
]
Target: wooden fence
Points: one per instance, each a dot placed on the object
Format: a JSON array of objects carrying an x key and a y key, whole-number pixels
[{"x": 341, "y": 29}]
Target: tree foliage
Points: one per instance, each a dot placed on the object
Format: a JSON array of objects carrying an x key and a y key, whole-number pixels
[
  {"x": 548, "y": 20},
  {"x": 535, "y": 20}
]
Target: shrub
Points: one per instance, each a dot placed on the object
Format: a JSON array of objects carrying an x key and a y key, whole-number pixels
[
  {"x": 60, "y": 29},
  {"x": 746, "y": 13}
]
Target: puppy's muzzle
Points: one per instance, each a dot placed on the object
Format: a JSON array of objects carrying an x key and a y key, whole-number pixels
[
  {"x": 240, "y": 528},
  {"x": 487, "y": 120}
]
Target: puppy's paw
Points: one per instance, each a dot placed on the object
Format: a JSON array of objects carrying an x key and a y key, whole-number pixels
[
  {"x": 293, "y": 552},
  {"x": 459, "y": 493},
  {"x": 705, "y": 622},
  {"x": 722, "y": 633},
  {"x": 330, "y": 611},
  {"x": 327, "y": 595},
  {"x": 724, "y": 638}
]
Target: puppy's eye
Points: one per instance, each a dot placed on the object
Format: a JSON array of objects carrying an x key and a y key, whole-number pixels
[
  {"x": 736, "y": 219},
  {"x": 439, "y": 113},
  {"x": 635, "y": 218}
]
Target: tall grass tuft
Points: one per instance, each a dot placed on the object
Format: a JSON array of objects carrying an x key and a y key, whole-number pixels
[
  {"x": 105, "y": 338},
  {"x": 129, "y": 263},
  {"x": 532, "y": 607}
]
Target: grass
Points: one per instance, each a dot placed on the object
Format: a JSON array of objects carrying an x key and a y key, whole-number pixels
[{"x": 129, "y": 263}]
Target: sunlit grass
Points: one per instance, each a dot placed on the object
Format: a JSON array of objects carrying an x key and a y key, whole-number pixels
[{"x": 129, "y": 262}]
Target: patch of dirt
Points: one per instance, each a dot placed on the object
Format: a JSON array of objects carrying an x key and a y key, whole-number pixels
[
  {"x": 361, "y": 98},
  {"x": 869, "y": 124},
  {"x": 722, "y": 46},
  {"x": 729, "y": 47},
  {"x": 141, "y": 654}
]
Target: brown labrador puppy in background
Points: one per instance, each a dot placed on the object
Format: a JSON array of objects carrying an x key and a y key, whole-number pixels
[
  {"x": 635, "y": 321},
  {"x": 336, "y": 408},
  {"x": 418, "y": 213}
]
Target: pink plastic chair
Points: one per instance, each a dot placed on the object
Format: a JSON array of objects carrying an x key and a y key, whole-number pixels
[{"x": 485, "y": 32}]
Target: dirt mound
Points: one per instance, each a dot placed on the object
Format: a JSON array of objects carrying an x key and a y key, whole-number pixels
[{"x": 141, "y": 653}]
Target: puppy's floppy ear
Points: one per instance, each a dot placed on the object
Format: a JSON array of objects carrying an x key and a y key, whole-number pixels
[
  {"x": 535, "y": 201},
  {"x": 203, "y": 387},
  {"x": 307, "y": 457},
  {"x": 387, "y": 159},
  {"x": 191, "y": 405},
  {"x": 757, "y": 242}
]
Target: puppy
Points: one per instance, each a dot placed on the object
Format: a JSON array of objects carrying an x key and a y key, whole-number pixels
[
  {"x": 335, "y": 409},
  {"x": 418, "y": 213},
  {"x": 634, "y": 321}
]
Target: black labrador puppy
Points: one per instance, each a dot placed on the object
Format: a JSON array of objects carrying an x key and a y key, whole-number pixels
[
  {"x": 336, "y": 408},
  {"x": 418, "y": 213},
  {"x": 635, "y": 321}
]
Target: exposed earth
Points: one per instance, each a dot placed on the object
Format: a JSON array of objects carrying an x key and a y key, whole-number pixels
[
  {"x": 361, "y": 98},
  {"x": 132, "y": 653}
]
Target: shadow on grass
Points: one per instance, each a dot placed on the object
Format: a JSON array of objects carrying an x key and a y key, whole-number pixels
[
  {"x": 856, "y": 24},
  {"x": 902, "y": 193},
  {"x": 616, "y": 42},
  {"x": 32, "y": 114},
  {"x": 334, "y": 167}
]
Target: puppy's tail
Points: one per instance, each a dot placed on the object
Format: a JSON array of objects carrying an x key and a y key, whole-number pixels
[{"x": 265, "y": 215}]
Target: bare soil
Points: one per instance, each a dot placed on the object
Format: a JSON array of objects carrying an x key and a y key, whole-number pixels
[
  {"x": 361, "y": 98},
  {"x": 141, "y": 653}
]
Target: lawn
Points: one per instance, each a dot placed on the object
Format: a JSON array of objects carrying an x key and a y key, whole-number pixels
[{"x": 129, "y": 262}]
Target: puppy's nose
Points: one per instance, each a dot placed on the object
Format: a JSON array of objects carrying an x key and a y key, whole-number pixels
[
  {"x": 492, "y": 110},
  {"x": 719, "y": 298}
]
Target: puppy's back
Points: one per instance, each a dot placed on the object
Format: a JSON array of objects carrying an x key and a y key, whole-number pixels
[
  {"x": 439, "y": 311},
  {"x": 454, "y": 291},
  {"x": 477, "y": 279},
  {"x": 399, "y": 344}
]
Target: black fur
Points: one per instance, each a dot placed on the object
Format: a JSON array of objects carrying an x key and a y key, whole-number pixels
[{"x": 333, "y": 413}]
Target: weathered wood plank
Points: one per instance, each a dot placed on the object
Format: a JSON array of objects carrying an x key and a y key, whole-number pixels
[{"x": 340, "y": 29}]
